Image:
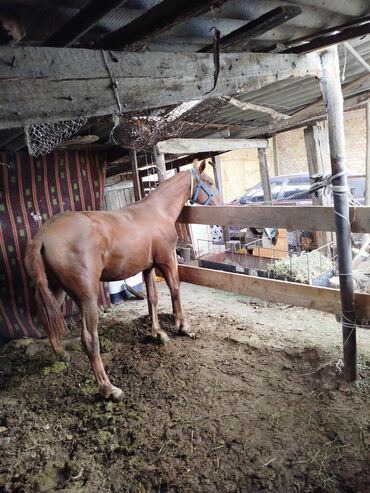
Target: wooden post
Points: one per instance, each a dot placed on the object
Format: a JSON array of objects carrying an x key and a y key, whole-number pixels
[
  {"x": 161, "y": 164},
  {"x": 333, "y": 99},
  {"x": 313, "y": 140},
  {"x": 367, "y": 170},
  {"x": 135, "y": 175},
  {"x": 276, "y": 156},
  {"x": 264, "y": 172}
]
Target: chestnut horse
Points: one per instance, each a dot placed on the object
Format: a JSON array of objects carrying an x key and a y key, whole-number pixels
[{"x": 74, "y": 251}]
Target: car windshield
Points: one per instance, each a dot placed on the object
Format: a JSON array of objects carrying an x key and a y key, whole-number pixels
[
  {"x": 256, "y": 194},
  {"x": 297, "y": 188}
]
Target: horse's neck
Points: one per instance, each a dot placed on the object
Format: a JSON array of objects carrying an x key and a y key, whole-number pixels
[{"x": 170, "y": 196}]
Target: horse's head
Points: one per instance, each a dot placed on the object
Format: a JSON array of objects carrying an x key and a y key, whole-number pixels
[{"x": 202, "y": 187}]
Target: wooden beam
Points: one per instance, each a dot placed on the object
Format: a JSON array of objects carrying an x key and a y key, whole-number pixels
[
  {"x": 183, "y": 161},
  {"x": 155, "y": 21},
  {"x": 247, "y": 106},
  {"x": 357, "y": 56},
  {"x": 73, "y": 82},
  {"x": 308, "y": 218},
  {"x": 360, "y": 26},
  {"x": 82, "y": 22},
  {"x": 304, "y": 295},
  {"x": 182, "y": 146},
  {"x": 237, "y": 40},
  {"x": 332, "y": 95}
]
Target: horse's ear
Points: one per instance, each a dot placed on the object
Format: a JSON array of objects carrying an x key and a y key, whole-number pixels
[{"x": 202, "y": 166}]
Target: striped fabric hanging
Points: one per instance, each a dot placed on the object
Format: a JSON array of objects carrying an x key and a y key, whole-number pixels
[{"x": 31, "y": 191}]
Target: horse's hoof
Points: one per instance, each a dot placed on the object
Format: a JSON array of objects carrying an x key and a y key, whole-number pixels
[
  {"x": 63, "y": 356},
  {"x": 164, "y": 339},
  {"x": 116, "y": 394},
  {"x": 187, "y": 333}
]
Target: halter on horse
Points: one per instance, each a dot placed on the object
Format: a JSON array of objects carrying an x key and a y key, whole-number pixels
[{"x": 74, "y": 251}]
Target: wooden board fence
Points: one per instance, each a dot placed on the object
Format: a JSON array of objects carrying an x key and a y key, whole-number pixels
[
  {"x": 304, "y": 295},
  {"x": 309, "y": 218}
]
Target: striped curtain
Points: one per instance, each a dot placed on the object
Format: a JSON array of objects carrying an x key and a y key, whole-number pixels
[{"x": 31, "y": 191}]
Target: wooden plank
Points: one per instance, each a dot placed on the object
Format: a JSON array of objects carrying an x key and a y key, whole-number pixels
[
  {"x": 304, "y": 295},
  {"x": 187, "y": 146},
  {"x": 83, "y": 21},
  {"x": 309, "y": 218},
  {"x": 360, "y": 26},
  {"x": 155, "y": 21},
  {"x": 237, "y": 40},
  {"x": 247, "y": 106},
  {"x": 74, "y": 82}
]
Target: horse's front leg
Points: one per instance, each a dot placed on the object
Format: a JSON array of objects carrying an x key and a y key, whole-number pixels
[
  {"x": 152, "y": 296},
  {"x": 171, "y": 274}
]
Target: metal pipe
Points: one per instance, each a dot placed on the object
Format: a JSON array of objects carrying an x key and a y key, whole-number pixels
[{"x": 333, "y": 99}]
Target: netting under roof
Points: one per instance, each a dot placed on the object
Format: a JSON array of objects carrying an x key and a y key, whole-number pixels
[
  {"x": 42, "y": 138},
  {"x": 145, "y": 129}
]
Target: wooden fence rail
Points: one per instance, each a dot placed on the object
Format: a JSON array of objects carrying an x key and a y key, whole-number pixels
[
  {"x": 309, "y": 218},
  {"x": 304, "y": 295}
]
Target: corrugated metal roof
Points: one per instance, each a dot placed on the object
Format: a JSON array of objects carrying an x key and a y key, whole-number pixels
[{"x": 288, "y": 96}]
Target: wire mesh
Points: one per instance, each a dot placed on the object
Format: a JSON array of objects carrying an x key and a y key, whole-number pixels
[
  {"x": 143, "y": 130},
  {"x": 42, "y": 138}
]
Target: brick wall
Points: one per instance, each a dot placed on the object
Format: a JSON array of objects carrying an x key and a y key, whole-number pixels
[
  {"x": 240, "y": 169},
  {"x": 292, "y": 153}
]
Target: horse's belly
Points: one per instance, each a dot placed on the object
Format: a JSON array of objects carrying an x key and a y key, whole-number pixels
[{"x": 121, "y": 265}]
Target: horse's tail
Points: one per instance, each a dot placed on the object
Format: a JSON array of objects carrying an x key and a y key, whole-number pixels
[{"x": 48, "y": 309}]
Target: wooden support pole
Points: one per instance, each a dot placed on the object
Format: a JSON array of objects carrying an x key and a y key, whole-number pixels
[
  {"x": 160, "y": 163},
  {"x": 265, "y": 177},
  {"x": 135, "y": 175},
  {"x": 333, "y": 99},
  {"x": 276, "y": 156},
  {"x": 313, "y": 140},
  {"x": 367, "y": 170}
]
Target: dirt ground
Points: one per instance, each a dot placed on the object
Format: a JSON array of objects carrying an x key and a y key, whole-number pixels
[{"x": 255, "y": 403}]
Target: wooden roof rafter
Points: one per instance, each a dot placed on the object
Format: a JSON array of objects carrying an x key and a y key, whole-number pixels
[{"x": 76, "y": 82}]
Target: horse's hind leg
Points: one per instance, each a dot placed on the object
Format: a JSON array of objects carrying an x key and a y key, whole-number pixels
[
  {"x": 170, "y": 272},
  {"x": 59, "y": 295},
  {"x": 90, "y": 340},
  {"x": 152, "y": 295}
]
